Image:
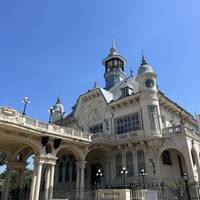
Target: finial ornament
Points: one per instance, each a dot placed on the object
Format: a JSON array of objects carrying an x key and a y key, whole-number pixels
[
  {"x": 131, "y": 72},
  {"x": 143, "y": 58},
  {"x": 113, "y": 50},
  {"x": 113, "y": 44},
  {"x": 58, "y": 99},
  {"x": 95, "y": 84}
]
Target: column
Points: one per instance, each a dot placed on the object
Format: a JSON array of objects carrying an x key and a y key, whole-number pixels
[
  {"x": 77, "y": 178},
  {"x": 52, "y": 172},
  {"x": 7, "y": 183},
  {"x": 77, "y": 181},
  {"x": 189, "y": 164},
  {"x": 108, "y": 172},
  {"x": 38, "y": 180},
  {"x": 80, "y": 178},
  {"x": 21, "y": 179},
  {"x": 47, "y": 182},
  {"x": 82, "y": 183},
  {"x": 33, "y": 182}
]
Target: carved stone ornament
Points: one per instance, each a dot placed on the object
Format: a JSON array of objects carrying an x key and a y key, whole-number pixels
[
  {"x": 55, "y": 127},
  {"x": 9, "y": 112}
]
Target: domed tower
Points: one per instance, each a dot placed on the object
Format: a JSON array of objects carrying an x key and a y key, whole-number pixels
[
  {"x": 114, "y": 67},
  {"x": 58, "y": 111},
  {"x": 149, "y": 101}
]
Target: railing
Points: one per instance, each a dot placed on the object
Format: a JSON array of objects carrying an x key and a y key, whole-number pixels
[
  {"x": 171, "y": 130},
  {"x": 11, "y": 116},
  {"x": 97, "y": 136},
  {"x": 180, "y": 129}
]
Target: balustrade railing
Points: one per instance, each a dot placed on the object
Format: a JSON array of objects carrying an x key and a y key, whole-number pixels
[
  {"x": 11, "y": 116},
  {"x": 171, "y": 130}
]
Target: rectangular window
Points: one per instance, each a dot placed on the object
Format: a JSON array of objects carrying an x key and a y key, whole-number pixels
[
  {"x": 166, "y": 159},
  {"x": 125, "y": 92},
  {"x": 128, "y": 123},
  {"x": 153, "y": 116},
  {"x": 141, "y": 161},
  {"x": 96, "y": 128},
  {"x": 118, "y": 163}
]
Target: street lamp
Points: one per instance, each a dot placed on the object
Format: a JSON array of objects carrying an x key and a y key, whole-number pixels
[
  {"x": 25, "y": 100},
  {"x": 185, "y": 177},
  {"x": 143, "y": 174},
  {"x": 99, "y": 174},
  {"x": 51, "y": 111},
  {"x": 124, "y": 172}
]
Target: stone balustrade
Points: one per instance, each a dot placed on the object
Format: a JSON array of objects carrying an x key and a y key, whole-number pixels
[
  {"x": 171, "y": 130},
  {"x": 180, "y": 129},
  {"x": 11, "y": 116}
]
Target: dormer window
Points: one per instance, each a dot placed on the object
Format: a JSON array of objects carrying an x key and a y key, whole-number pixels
[{"x": 126, "y": 91}]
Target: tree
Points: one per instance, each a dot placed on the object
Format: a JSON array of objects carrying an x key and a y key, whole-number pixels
[{"x": 3, "y": 158}]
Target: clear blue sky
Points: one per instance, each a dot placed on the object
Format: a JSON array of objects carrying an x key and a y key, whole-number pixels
[{"x": 50, "y": 48}]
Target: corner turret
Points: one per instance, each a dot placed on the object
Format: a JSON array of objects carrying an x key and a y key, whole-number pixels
[{"x": 149, "y": 101}]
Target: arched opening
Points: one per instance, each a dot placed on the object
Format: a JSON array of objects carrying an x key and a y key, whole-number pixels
[
  {"x": 97, "y": 170},
  {"x": 65, "y": 174},
  {"x": 172, "y": 164},
  {"x": 3, "y": 163},
  {"x": 195, "y": 164},
  {"x": 22, "y": 173}
]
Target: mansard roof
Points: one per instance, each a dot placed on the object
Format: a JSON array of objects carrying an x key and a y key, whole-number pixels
[{"x": 129, "y": 82}]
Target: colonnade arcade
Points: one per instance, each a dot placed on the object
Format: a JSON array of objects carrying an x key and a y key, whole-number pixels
[{"x": 47, "y": 160}]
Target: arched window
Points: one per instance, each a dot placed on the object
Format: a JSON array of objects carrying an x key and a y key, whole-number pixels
[
  {"x": 60, "y": 175},
  {"x": 193, "y": 158},
  {"x": 67, "y": 165},
  {"x": 141, "y": 160},
  {"x": 129, "y": 163},
  {"x": 118, "y": 159}
]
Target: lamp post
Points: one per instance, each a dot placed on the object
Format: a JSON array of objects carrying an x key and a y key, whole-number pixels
[
  {"x": 99, "y": 174},
  {"x": 185, "y": 177},
  {"x": 51, "y": 110},
  {"x": 25, "y": 100},
  {"x": 124, "y": 172},
  {"x": 143, "y": 174}
]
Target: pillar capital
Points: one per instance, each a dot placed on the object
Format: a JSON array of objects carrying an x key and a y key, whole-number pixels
[
  {"x": 81, "y": 164},
  {"x": 46, "y": 159}
]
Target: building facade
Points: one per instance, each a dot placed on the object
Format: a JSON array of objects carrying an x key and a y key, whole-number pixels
[{"x": 130, "y": 124}]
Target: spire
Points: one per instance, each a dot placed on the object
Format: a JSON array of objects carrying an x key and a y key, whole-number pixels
[
  {"x": 113, "y": 44},
  {"x": 113, "y": 50},
  {"x": 58, "y": 99},
  {"x": 144, "y": 62}
]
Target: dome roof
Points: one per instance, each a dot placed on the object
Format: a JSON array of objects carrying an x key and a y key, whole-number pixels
[
  {"x": 144, "y": 67},
  {"x": 58, "y": 107}
]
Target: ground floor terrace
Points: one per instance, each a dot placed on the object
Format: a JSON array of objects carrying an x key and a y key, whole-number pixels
[
  {"x": 75, "y": 171},
  {"x": 67, "y": 164}
]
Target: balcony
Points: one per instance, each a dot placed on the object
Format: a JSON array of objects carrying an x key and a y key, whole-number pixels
[
  {"x": 171, "y": 130},
  {"x": 180, "y": 130},
  {"x": 11, "y": 117}
]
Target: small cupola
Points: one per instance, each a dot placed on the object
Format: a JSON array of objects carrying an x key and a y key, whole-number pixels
[
  {"x": 114, "y": 67},
  {"x": 144, "y": 67}
]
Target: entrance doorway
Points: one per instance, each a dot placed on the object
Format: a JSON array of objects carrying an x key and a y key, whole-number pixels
[{"x": 95, "y": 180}]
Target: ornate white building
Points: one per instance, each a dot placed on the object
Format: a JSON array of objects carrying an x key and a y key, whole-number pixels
[{"x": 129, "y": 123}]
